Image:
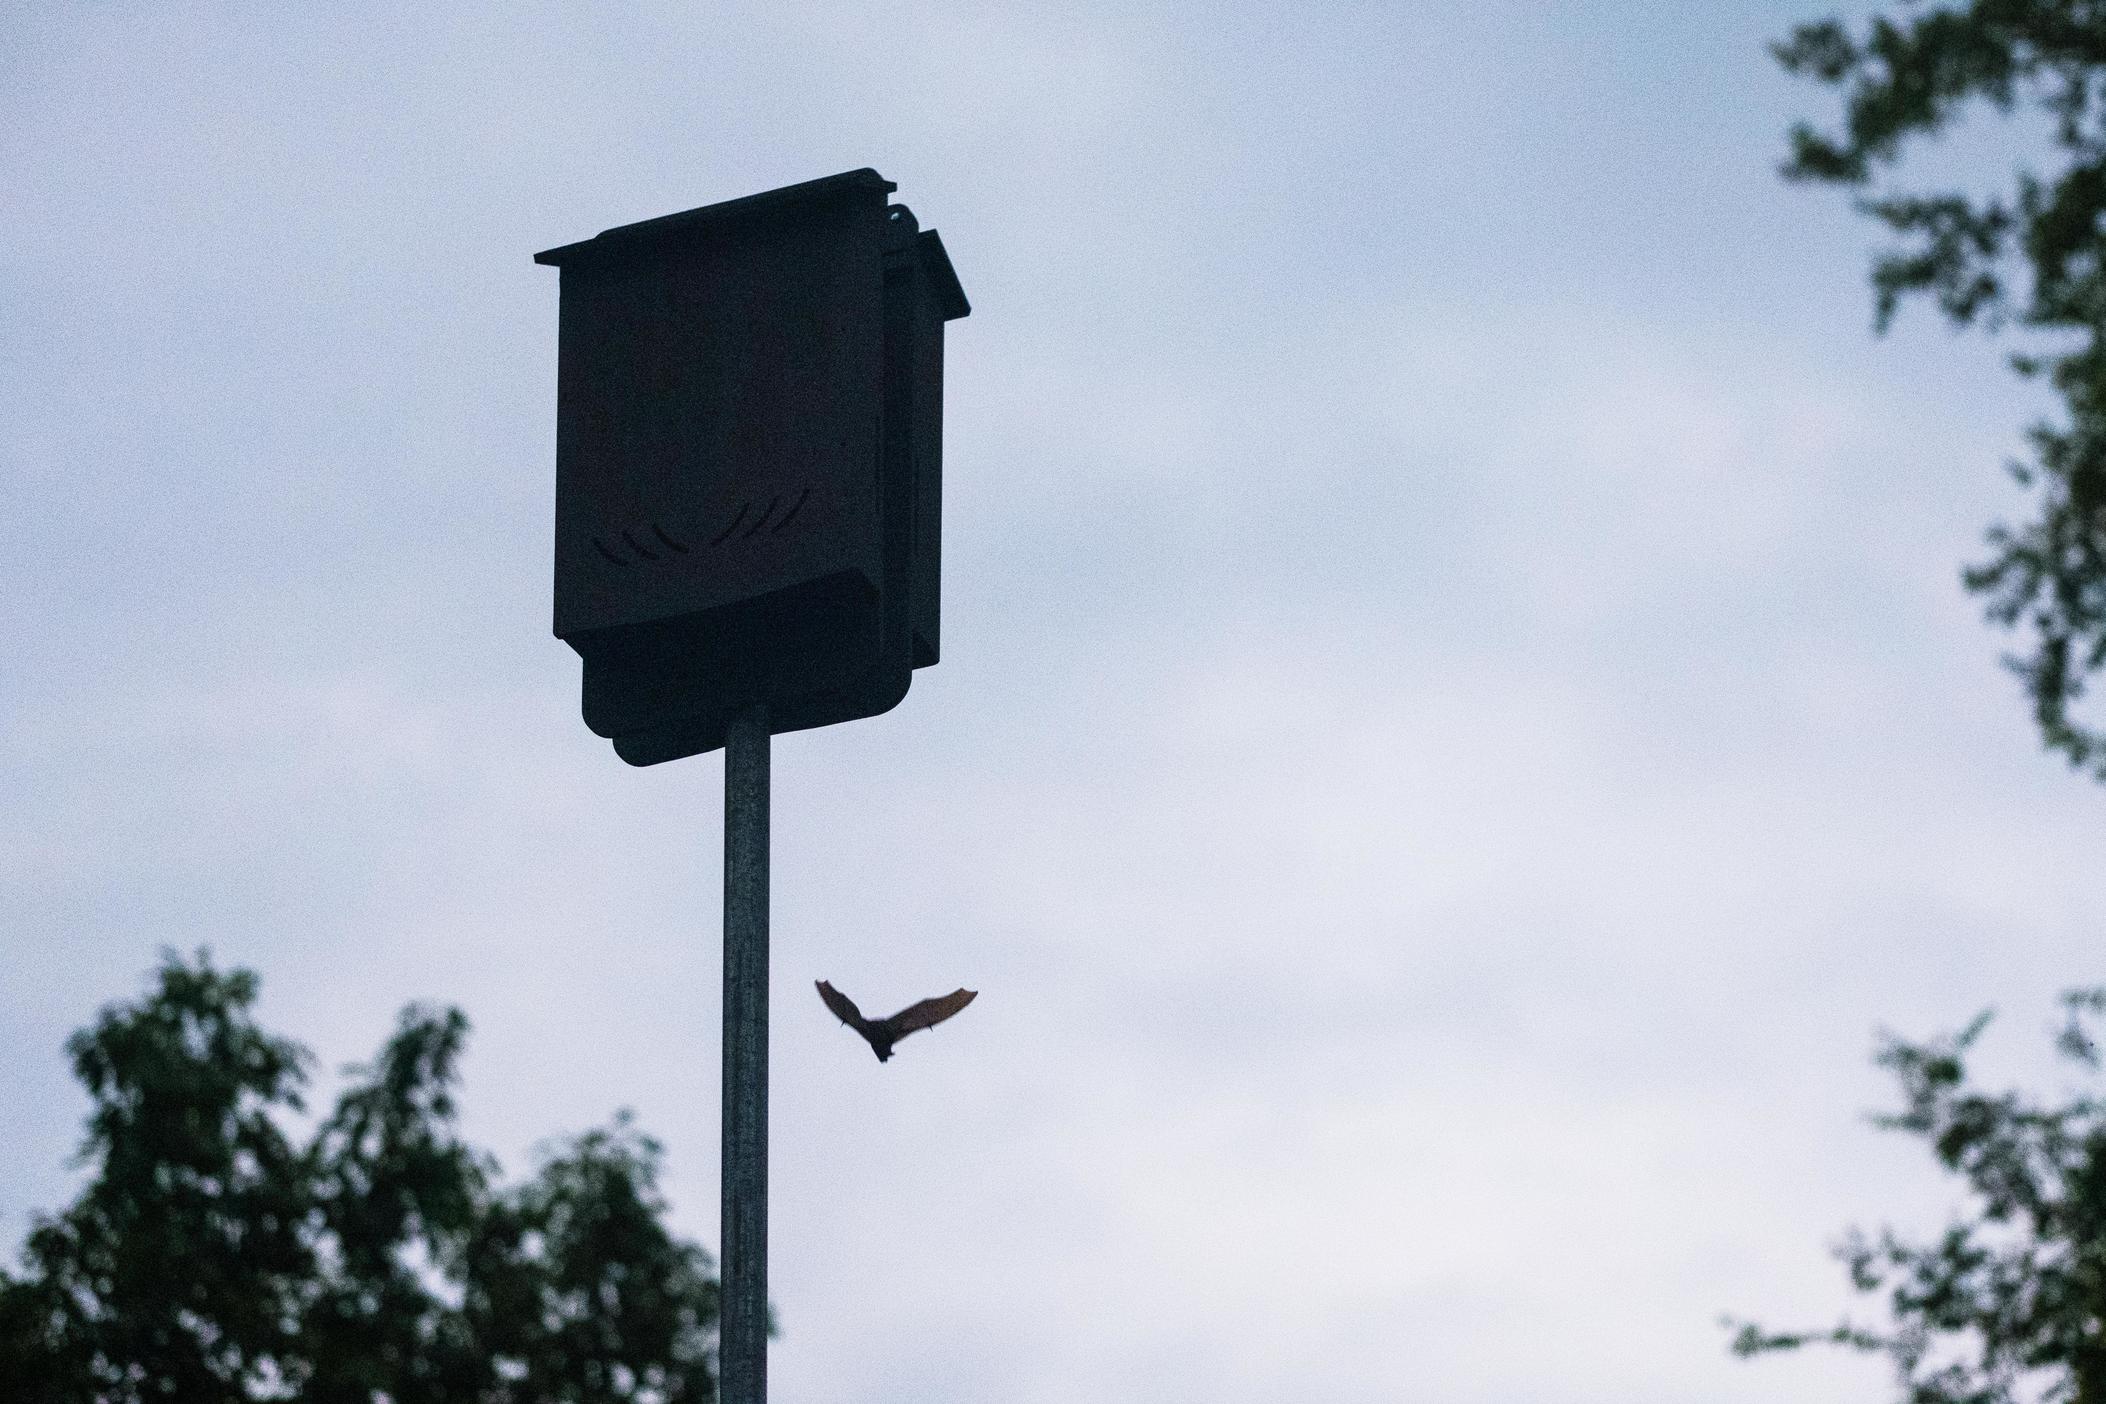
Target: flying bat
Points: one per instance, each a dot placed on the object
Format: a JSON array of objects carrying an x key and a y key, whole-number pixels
[{"x": 881, "y": 1034}]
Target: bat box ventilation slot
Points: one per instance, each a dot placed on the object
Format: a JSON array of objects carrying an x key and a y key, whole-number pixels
[
  {"x": 719, "y": 538},
  {"x": 791, "y": 515},
  {"x": 762, "y": 520}
]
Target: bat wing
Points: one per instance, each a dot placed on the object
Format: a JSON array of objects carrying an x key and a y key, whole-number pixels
[
  {"x": 928, "y": 1013},
  {"x": 844, "y": 1008}
]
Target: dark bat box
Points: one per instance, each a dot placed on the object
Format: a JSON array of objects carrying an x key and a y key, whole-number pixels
[{"x": 749, "y": 480}]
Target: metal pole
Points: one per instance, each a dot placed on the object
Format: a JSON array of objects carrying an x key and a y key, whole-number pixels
[{"x": 743, "y": 1329}]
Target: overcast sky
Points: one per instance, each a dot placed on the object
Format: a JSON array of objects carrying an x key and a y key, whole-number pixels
[{"x": 1457, "y": 722}]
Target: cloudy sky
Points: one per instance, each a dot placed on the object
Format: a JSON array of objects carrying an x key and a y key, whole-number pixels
[{"x": 1457, "y": 721}]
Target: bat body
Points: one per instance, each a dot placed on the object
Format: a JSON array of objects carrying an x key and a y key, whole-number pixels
[{"x": 881, "y": 1034}]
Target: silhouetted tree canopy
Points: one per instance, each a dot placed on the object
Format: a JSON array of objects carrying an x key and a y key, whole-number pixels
[
  {"x": 2008, "y": 1303},
  {"x": 212, "y": 1255},
  {"x": 2033, "y": 254}
]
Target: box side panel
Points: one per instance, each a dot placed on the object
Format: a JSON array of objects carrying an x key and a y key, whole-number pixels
[
  {"x": 898, "y": 483},
  {"x": 927, "y": 411}
]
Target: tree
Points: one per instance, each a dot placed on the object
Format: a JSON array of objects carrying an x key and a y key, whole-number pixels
[
  {"x": 213, "y": 1255},
  {"x": 2013, "y": 1297},
  {"x": 2033, "y": 255}
]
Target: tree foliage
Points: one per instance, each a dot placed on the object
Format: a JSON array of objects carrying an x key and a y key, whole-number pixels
[
  {"x": 2008, "y": 1303},
  {"x": 214, "y": 1255},
  {"x": 2032, "y": 255}
]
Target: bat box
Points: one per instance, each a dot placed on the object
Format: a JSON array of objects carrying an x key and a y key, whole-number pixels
[{"x": 749, "y": 477}]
